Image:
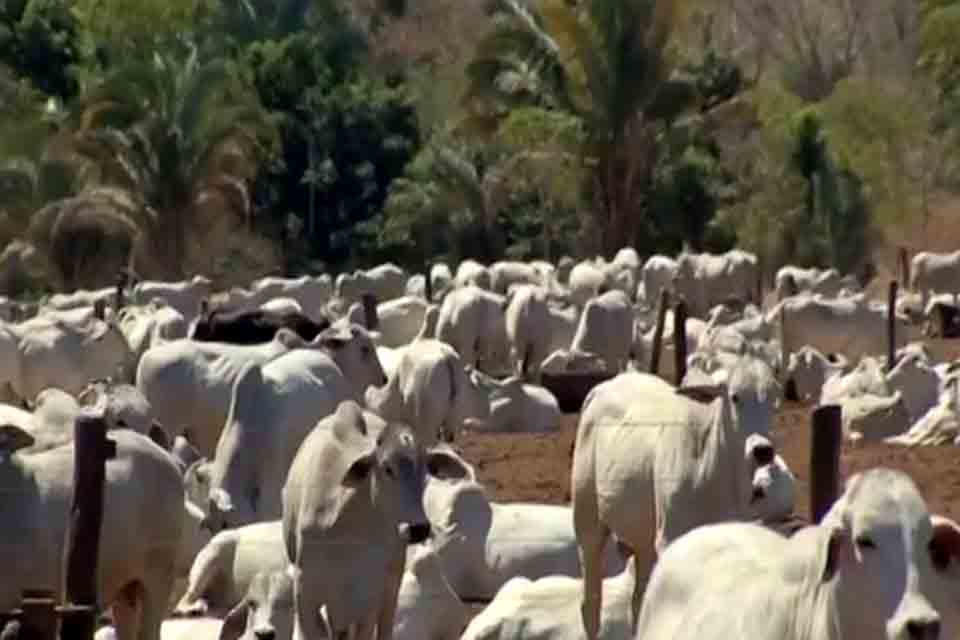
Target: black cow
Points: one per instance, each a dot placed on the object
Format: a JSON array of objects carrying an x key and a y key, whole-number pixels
[{"x": 254, "y": 326}]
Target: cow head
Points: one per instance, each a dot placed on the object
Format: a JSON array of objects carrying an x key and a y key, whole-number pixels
[
  {"x": 877, "y": 545},
  {"x": 387, "y": 461},
  {"x": 352, "y": 348}
]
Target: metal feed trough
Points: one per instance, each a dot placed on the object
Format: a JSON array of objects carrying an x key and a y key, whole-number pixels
[{"x": 571, "y": 388}]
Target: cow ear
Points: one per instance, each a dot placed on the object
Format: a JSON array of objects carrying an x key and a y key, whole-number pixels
[
  {"x": 837, "y": 553},
  {"x": 159, "y": 435},
  {"x": 442, "y": 463},
  {"x": 349, "y": 421},
  {"x": 13, "y": 438},
  {"x": 945, "y": 543},
  {"x": 220, "y": 501},
  {"x": 334, "y": 338},
  {"x": 703, "y": 391},
  {"x": 235, "y": 624},
  {"x": 360, "y": 470}
]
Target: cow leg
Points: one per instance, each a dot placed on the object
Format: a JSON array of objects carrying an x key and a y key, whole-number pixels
[
  {"x": 591, "y": 563},
  {"x": 209, "y": 565},
  {"x": 126, "y": 611},
  {"x": 391, "y": 591},
  {"x": 307, "y": 622},
  {"x": 158, "y": 586}
]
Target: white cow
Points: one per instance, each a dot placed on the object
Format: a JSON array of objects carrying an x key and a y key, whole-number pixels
[
  {"x": 472, "y": 322},
  {"x": 312, "y": 292},
  {"x": 606, "y": 329},
  {"x": 266, "y": 612},
  {"x": 431, "y": 389},
  {"x": 188, "y": 382},
  {"x": 427, "y": 607},
  {"x": 707, "y": 279},
  {"x": 873, "y": 418},
  {"x": 472, "y": 273},
  {"x": 857, "y": 576},
  {"x": 61, "y": 352},
  {"x": 849, "y": 326},
  {"x": 185, "y": 296},
  {"x": 547, "y": 609},
  {"x": 932, "y": 273},
  {"x": 507, "y": 273},
  {"x": 225, "y": 568},
  {"x": 517, "y": 407},
  {"x": 175, "y": 629},
  {"x": 400, "y": 320},
  {"x": 352, "y": 501},
  {"x": 588, "y": 279},
  {"x": 773, "y": 488},
  {"x": 808, "y": 370},
  {"x": 273, "y": 407},
  {"x": 652, "y": 462},
  {"x": 536, "y": 327},
  {"x": 142, "y": 520},
  {"x": 282, "y": 305},
  {"x": 441, "y": 280},
  {"x": 658, "y": 273},
  {"x": 826, "y": 282},
  {"x": 81, "y": 298},
  {"x": 235, "y": 561},
  {"x": 386, "y": 282},
  {"x": 483, "y": 544},
  {"x": 151, "y": 325}
]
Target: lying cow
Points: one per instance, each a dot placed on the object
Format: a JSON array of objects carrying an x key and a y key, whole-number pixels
[{"x": 548, "y": 608}]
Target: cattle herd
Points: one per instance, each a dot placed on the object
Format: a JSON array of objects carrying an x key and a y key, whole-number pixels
[{"x": 287, "y": 467}]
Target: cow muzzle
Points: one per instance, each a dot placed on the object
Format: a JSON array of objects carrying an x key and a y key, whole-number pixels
[
  {"x": 414, "y": 533},
  {"x": 928, "y": 629},
  {"x": 763, "y": 454}
]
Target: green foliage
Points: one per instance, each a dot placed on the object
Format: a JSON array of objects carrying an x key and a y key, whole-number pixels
[
  {"x": 345, "y": 138},
  {"x": 38, "y": 41},
  {"x": 168, "y": 131}
]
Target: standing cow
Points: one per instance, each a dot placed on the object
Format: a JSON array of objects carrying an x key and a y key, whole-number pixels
[
  {"x": 652, "y": 461},
  {"x": 352, "y": 502}
]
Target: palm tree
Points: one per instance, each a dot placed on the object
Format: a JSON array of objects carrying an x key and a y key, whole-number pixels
[
  {"x": 603, "y": 61},
  {"x": 183, "y": 139},
  {"x": 453, "y": 192}
]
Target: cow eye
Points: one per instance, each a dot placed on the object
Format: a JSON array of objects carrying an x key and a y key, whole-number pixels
[
  {"x": 736, "y": 399},
  {"x": 390, "y": 471},
  {"x": 865, "y": 542}
]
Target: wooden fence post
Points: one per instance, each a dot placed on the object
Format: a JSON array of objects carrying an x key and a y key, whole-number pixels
[
  {"x": 680, "y": 340},
  {"x": 119, "y": 300},
  {"x": 92, "y": 449},
  {"x": 428, "y": 285},
  {"x": 658, "y": 331},
  {"x": 39, "y": 617},
  {"x": 826, "y": 439},
  {"x": 370, "y": 317},
  {"x": 903, "y": 267},
  {"x": 892, "y": 325}
]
